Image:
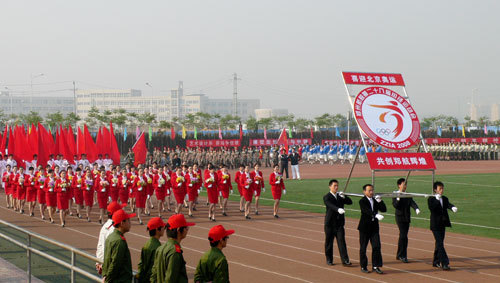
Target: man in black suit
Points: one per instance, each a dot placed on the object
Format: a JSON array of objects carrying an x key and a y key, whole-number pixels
[
  {"x": 369, "y": 229},
  {"x": 334, "y": 223},
  {"x": 439, "y": 205},
  {"x": 403, "y": 219}
]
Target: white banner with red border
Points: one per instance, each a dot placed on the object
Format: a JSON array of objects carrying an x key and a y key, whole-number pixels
[
  {"x": 401, "y": 161},
  {"x": 269, "y": 142}
]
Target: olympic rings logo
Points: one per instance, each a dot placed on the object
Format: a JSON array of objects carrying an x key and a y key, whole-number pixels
[{"x": 384, "y": 132}]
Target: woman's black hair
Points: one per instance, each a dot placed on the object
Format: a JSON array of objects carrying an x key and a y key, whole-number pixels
[
  {"x": 173, "y": 233},
  {"x": 213, "y": 244}
]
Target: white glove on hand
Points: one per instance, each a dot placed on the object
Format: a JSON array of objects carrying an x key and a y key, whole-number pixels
[
  {"x": 341, "y": 211},
  {"x": 284, "y": 192},
  {"x": 378, "y": 198},
  {"x": 438, "y": 196},
  {"x": 180, "y": 184},
  {"x": 264, "y": 189},
  {"x": 277, "y": 182},
  {"x": 398, "y": 199},
  {"x": 454, "y": 209},
  {"x": 341, "y": 194},
  {"x": 379, "y": 216},
  {"x": 417, "y": 211},
  {"x": 231, "y": 191}
]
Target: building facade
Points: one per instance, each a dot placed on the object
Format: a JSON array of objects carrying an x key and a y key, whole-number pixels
[{"x": 43, "y": 105}]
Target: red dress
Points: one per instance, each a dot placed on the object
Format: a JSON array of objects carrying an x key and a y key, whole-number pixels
[
  {"x": 179, "y": 188},
  {"x": 50, "y": 192},
  {"x": 123, "y": 188},
  {"x": 139, "y": 188},
  {"x": 21, "y": 181},
  {"x": 102, "y": 188},
  {"x": 6, "y": 180},
  {"x": 246, "y": 186},
  {"x": 224, "y": 185},
  {"x": 71, "y": 192},
  {"x": 159, "y": 185},
  {"x": 276, "y": 189},
  {"x": 39, "y": 184},
  {"x": 149, "y": 185},
  {"x": 62, "y": 190},
  {"x": 211, "y": 181},
  {"x": 88, "y": 187},
  {"x": 258, "y": 182},
  {"x": 192, "y": 181},
  {"x": 237, "y": 176},
  {"x": 31, "y": 189},
  {"x": 77, "y": 186},
  {"x": 114, "y": 187}
]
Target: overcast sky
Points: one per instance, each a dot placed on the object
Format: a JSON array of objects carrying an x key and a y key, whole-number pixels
[{"x": 288, "y": 53}]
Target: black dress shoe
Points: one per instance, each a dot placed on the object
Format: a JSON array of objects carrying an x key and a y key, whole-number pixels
[
  {"x": 378, "y": 270},
  {"x": 329, "y": 262},
  {"x": 225, "y": 214},
  {"x": 403, "y": 259},
  {"x": 436, "y": 265},
  {"x": 248, "y": 217},
  {"x": 446, "y": 267},
  {"x": 347, "y": 263},
  {"x": 364, "y": 270},
  {"x": 276, "y": 216}
]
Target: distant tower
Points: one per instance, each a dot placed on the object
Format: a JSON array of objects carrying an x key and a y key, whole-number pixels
[
  {"x": 473, "y": 107},
  {"x": 235, "y": 94},
  {"x": 495, "y": 115}
]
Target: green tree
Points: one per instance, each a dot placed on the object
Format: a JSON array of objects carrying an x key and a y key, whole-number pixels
[
  {"x": 93, "y": 117},
  {"x": 323, "y": 121},
  {"x": 31, "y": 118},
  {"x": 71, "y": 119},
  {"x": 483, "y": 121},
  {"x": 165, "y": 125},
  {"x": 302, "y": 124},
  {"x": 338, "y": 120},
  {"x": 230, "y": 122},
  {"x": 146, "y": 119},
  {"x": 54, "y": 119},
  {"x": 266, "y": 123},
  {"x": 252, "y": 124},
  {"x": 281, "y": 120},
  {"x": 3, "y": 119}
]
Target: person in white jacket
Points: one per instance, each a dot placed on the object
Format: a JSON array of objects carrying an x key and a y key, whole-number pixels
[{"x": 106, "y": 230}]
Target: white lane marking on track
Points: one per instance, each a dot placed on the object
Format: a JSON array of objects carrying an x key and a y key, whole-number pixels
[{"x": 357, "y": 210}]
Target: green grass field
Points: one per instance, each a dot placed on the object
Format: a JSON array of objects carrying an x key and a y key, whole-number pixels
[{"x": 477, "y": 198}]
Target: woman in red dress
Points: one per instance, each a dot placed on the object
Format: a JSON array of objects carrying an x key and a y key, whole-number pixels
[
  {"x": 246, "y": 181},
  {"x": 123, "y": 187},
  {"x": 71, "y": 194},
  {"x": 179, "y": 188},
  {"x": 277, "y": 186},
  {"x": 258, "y": 186},
  {"x": 199, "y": 185},
  {"x": 62, "y": 189},
  {"x": 114, "y": 183},
  {"x": 132, "y": 176},
  {"x": 40, "y": 184},
  {"x": 168, "y": 186},
  {"x": 211, "y": 181},
  {"x": 21, "y": 182},
  {"x": 159, "y": 185},
  {"x": 237, "y": 177},
  {"x": 7, "y": 183},
  {"x": 223, "y": 186},
  {"x": 192, "y": 181},
  {"x": 88, "y": 192},
  {"x": 102, "y": 188},
  {"x": 50, "y": 194},
  {"x": 31, "y": 191},
  {"x": 77, "y": 186},
  {"x": 139, "y": 187},
  {"x": 148, "y": 176}
]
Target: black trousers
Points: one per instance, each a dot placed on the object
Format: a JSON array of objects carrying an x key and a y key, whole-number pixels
[
  {"x": 374, "y": 239},
  {"x": 440, "y": 256},
  {"x": 330, "y": 233},
  {"x": 284, "y": 167},
  {"x": 403, "y": 239}
]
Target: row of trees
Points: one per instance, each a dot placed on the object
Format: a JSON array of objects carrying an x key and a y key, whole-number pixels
[{"x": 450, "y": 121}]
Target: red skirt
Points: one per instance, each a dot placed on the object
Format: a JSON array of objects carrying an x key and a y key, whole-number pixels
[
  {"x": 31, "y": 194},
  {"x": 276, "y": 192},
  {"x": 88, "y": 198},
  {"x": 102, "y": 199},
  {"x": 257, "y": 191},
  {"x": 160, "y": 194},
  {"x": 240, "y": 190},
  {"x": 51, "y": 199},
  {"x": 150, "y": 189},
  {"x": 78, "y": 195},
  {"x": 21, "y": 193},
  {"x": 123, "y": 194},
  {"x": 41, "y": 196},
  {"x": 140, "y": 199},
  {"x": 8, "y": 189},
  {"x": 62, "y": 200},
  {"x": 180, "y": 195},
  {"x": 14, "y": 191},
  {"x": 113, "y": 193},
  {"x": 192, "y": 192},
  {"x": 213, "y": 196},
  {"x": 248, "y": 194}
]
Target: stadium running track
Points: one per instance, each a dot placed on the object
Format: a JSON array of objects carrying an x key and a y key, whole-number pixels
[{"x": 290, "y": 249}]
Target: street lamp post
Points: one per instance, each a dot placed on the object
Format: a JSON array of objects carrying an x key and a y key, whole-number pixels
[
  {"x": 151, "y": 100},
  {"x": 31, "y": 86}
]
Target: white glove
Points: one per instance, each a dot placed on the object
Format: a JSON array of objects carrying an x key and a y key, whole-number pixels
[
  {"x": 417, "y": 211},
  {"x": 255, "y": 193},
  {"x": 231, "y": 191},
  {"x": 284, "y": 192},
  {"x": 210, "y": 185},
  {"x": 341, "y": 194},
  {"x": 454, "y": 209},
  {"x": 341, "y": 211},
  {"x": 438, "y": 196},
  {"x": 180, "y": 184},
  {"x": 277, "y": 182},
  {"x": 191, "y": 185},
  {"x": 149, "y": 197},
  {"x": 379, "y": 216},
  {"x": 264, "y": 189},
  {"x": 398, "y": 199},
  {"x": 378, "y": 198},
  {"x": 201, "y": 189},
  {"x": 220, "y": 193}
]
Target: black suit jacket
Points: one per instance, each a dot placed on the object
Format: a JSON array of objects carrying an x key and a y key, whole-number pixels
[
  {"x": 368, "y": 223},
  {"x": 332, "y": 217},
  {"x": 402, "y": 207},
  {"x": 439, "y": 214}
]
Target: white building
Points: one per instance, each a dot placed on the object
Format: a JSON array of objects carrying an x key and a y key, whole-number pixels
[
  {"x": 43, "y": 105},
  {"x": 495, "y": 115},
  {"x": 165, "y": 106},
  {"x": 268, "y": 113}
]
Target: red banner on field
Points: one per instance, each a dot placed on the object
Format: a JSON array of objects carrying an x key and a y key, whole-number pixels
[
  {"x": 401, "y": 161},
  {"x": 212, "y": 143},
  {"x": 494, "y": 140},
  {"x": 355, "y": 78},
  {"x": 269, "y": 142}
]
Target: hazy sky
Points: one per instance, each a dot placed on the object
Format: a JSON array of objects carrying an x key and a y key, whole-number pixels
[{"x": 288, "y": 53}]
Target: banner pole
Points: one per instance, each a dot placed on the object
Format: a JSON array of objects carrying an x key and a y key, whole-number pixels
[{"x": 352, "y": 168}]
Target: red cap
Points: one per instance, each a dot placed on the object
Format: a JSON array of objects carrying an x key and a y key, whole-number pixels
[
  {"x": 120, "y": 215},
  {"x": 178, "y": 220},
  {"x": 115, "y": 206},
  {"x": 155, "y": 223},
  {"x": 218, "y": 232}
]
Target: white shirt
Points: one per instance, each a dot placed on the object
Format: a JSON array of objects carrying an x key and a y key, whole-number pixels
[
  {"x": 106, "y": 230},
  {"x": 371, "y": 201},
  {"x": 11, "y": 162},
  {"x": 334, "y": 195}
]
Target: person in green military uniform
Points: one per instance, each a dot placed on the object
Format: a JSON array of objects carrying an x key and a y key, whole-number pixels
[
  {"x": 156, "y": 228},
  {"x": 213, "y": 266},
  {"x": 117, "y": 266},
  {"x": 169, "y": 265}
]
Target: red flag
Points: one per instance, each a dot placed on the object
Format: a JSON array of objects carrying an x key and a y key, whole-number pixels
[
  {"x": 90, "y": 147},
  {"x": 283, "y": 140},
  {"x": 114, "y": 153},
  {"x": 172, "y": 133},
  {"x": 80, "y": 143},
  {"x": 33, "y": 141},
  {"x": 312, "y": 135},
  {"x": 140, "y": 150},
  {"x": 63, "y": 145},
  {"x": 4, "y": 140},
  {"x": 10, "y": 147},
  {"x": 106, "y": 138},
  {"x": 70, "y": 140},
  {"x": 99, "y": 142},
  {"x": 265, "y": 133},
  {"x": 45, "y": 144}
]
